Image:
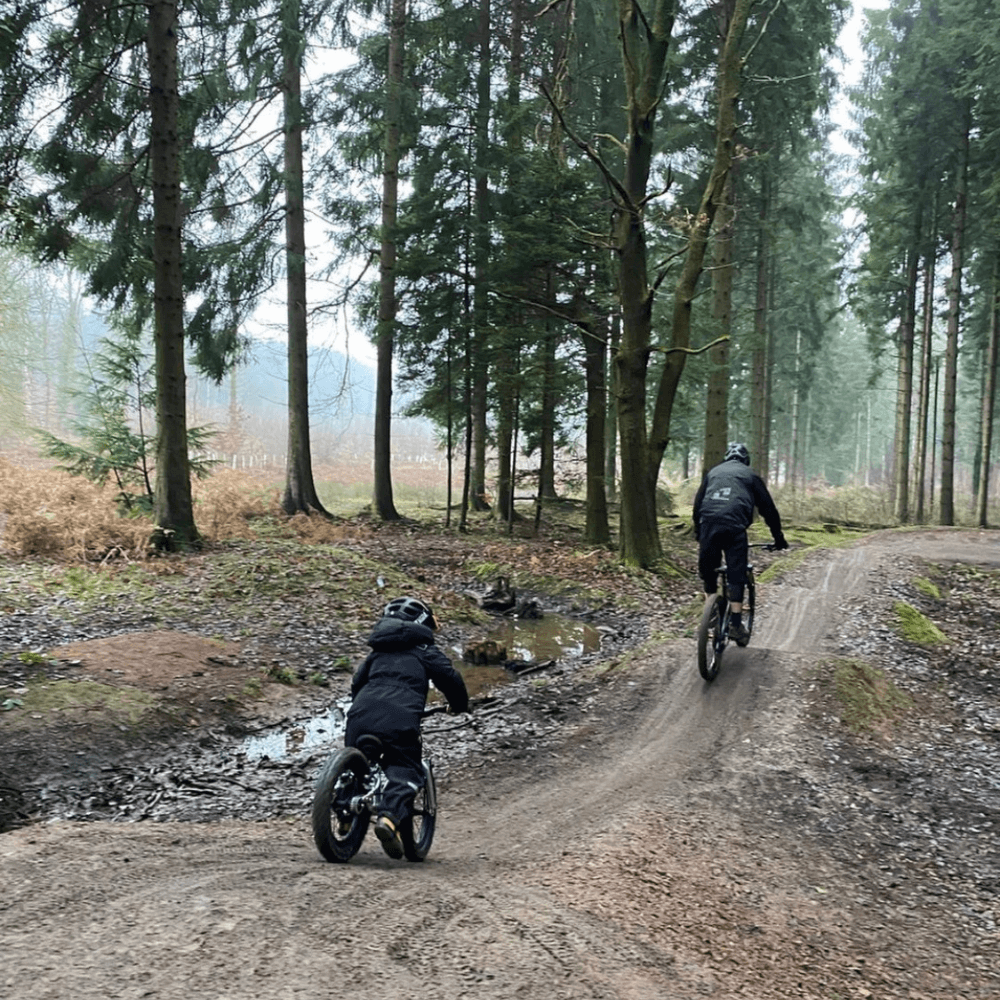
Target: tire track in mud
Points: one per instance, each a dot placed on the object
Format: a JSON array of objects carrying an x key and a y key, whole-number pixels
[
  {"x": 629, "y": 870},
  {"x": 268, "y": 912},
  {"x": 467, "y": 921}
]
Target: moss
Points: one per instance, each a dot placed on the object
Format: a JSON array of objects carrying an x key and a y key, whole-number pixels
[
  {"x": 916, "y": 627},
  {"x": 88, "y": 696},
  {"x": 928, "y": 587},
  {"x": 867, "y": 698},
  {"x": 283, "y": 675}
]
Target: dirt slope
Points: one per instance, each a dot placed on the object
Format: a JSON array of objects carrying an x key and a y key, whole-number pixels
[{"x": 680, "y": 841}]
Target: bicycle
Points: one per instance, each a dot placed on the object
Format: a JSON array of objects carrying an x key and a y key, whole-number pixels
[
  {"x": 349, "y": 792},
  {"x": 713, "y": 632}
]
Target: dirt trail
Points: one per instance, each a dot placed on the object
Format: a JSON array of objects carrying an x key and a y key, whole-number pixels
[{"x": 650, "y": 854}]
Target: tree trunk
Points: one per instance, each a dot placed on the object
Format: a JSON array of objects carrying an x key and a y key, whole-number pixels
[
  {"x": 480, "y": 311},
  {"x": 645, "y": 47},
  {"x": 947, "y": 514},
  {"x": 547, "y": 430},
  {"x": 646, "y": 44},
  {"x": 728, "y": 88},
  {"x": 506, "y": 395},
  {"x": 760, "y": 354},
  {"x": 989, "y": 394},
  {"x": 596, "y": 530},
  {"x": 382, "y": 494},
  {"x": 717, "y": 399},
  {"x": 300, "y": 489},
  {"x": 611, "y": 408},
  {"x": 904, "y": 384},
  {"x": 463, "y": 520},
  {"x": 173, "y": 505},
  {"x": 923, "y": 406},
  {"x": 794, "y": 445}
]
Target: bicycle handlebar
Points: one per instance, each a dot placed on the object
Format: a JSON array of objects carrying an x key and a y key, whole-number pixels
[{"x": 434, "y": 710}]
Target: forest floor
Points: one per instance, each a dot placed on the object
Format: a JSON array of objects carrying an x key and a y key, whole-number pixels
[{"x": 820, "y": 822}]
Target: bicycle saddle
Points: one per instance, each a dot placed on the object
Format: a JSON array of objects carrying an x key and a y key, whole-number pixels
[{"x": 370, "y": 746}]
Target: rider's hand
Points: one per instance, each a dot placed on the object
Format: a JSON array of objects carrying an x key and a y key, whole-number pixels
[{"x": 780, "y": 543}]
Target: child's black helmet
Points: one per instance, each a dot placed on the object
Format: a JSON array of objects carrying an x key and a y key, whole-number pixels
[
  {"x": 409, "y": 609},
  {"x": 738, "y": 451}
]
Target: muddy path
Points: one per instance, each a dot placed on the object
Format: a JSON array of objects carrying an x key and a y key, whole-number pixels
[{"x": 669, "y": 839}]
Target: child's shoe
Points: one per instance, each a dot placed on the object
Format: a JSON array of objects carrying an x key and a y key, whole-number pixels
[{"x": 388, "y": 835}]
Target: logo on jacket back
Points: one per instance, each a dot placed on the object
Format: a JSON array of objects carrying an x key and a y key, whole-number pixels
[{"x": 723, "y": 493}]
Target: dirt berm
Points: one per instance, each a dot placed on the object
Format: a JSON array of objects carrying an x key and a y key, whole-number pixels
[{"x": 666, "y": 839}]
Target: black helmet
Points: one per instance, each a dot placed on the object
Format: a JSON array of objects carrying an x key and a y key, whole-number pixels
[
  {"x": 738, "y": 451},
  {"x": 409, "y": 609}
]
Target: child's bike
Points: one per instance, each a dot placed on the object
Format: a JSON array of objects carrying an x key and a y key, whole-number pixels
[
  {"x": 713, "y": 632},
  {"x": 348, "y": 793}
]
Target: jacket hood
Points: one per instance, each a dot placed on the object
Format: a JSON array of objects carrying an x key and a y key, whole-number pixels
[{"x": 395, "y": 633}]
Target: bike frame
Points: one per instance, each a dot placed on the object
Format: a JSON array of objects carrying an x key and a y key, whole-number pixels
[{"x": 713, "y": 633}]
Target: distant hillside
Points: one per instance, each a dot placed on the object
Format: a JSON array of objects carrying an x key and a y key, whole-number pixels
[{"x": 341, "y": 405}]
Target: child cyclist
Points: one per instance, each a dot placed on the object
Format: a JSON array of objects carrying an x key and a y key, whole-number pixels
[{"x": 389, "y": 693}]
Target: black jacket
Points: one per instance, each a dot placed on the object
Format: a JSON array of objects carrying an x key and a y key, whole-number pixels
[
  {"x": 389, "y": 689},
  {"x": 726, "y": 499}
]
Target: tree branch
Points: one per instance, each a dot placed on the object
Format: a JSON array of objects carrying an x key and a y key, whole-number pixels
[
  {"x": 690, "y": 350},
  {"x": 595, "y": 158}
]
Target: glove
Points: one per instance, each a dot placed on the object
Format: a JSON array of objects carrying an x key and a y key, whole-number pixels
[{"x": 780, "y": 543}]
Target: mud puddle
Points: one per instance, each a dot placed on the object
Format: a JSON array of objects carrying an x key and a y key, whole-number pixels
[
  {"x": 302, "y": 737},
  {"x": 542, "y": 641},
  {"x": 553, "y": 637},
  {"x": 272, "y": 772}
]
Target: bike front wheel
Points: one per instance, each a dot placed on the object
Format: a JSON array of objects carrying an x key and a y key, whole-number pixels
[
  {"x": 337, "y": 829},
  {"x": 417, "y": 832},
  {"x": 711, "y": 638}
]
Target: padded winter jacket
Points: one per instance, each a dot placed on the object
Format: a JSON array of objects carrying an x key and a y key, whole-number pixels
[
  {"x": 389, "y": 689},
  {"x": 727, "y": 497}
]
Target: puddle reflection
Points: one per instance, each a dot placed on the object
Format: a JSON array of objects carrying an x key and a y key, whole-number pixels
[
  {"x": 553, "y": 637},
  {"x": 550, "y": 638},
  {"x": 320, "y": 731}
]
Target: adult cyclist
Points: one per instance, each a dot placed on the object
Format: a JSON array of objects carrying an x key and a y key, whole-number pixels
[{"x": 723, "y": 510}]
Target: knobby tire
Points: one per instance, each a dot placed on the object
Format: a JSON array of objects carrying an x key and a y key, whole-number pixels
[
  {"x": 709, "y": 655},
  {"x": 417, "y": 832},
  {"x": 342, "y": 778},
  {"x": 749, "y": 603}
]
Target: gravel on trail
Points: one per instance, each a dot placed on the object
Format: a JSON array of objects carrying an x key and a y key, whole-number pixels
[{"x": 611, "y": 827}]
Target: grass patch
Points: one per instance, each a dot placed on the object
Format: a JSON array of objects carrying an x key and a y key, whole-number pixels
[
  {"x": 128, "y": 704},
  {"x": 916, "y": 627},
  {"x": 928, "y": 587},
  {"x": 803, "y": 540},
  {"x": 92, "y": 584},
  {"x": 868, "y": 700}
]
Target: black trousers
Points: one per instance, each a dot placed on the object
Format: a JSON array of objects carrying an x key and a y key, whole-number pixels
[
  {"x": 402, "y": 761},
  {"x": 404, "y": 770},
  {"x": 714, "y": 542}
]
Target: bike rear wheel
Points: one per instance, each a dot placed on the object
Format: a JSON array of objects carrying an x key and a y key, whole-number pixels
[
  {"x": 337, "y": 829},
  {"x": 711, "y": 638},
  {"x": 417, "y": 832}
]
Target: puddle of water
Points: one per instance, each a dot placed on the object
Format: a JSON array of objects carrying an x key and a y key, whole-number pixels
[
  {"x": 553, "y": 637},
  {"x": 324, "y": 730},
  {"x": 550, "y": 638},
  {"x": 479, "y": 680}
]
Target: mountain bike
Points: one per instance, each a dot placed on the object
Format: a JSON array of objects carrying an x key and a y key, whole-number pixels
[
  {"x": 713, "y": 632},
  {"x": 349, "y": 792}
]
